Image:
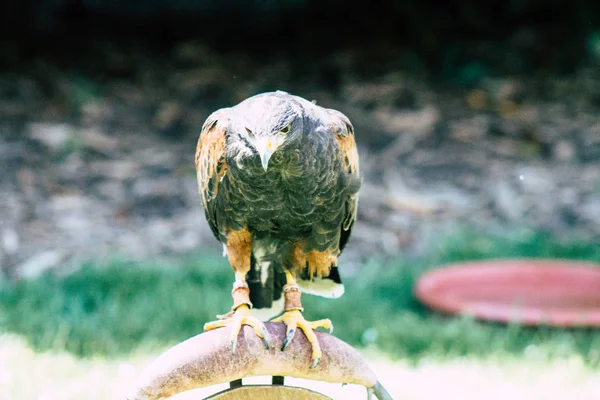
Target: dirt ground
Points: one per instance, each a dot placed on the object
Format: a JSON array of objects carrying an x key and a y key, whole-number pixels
[{"x": 97, "y": 146}]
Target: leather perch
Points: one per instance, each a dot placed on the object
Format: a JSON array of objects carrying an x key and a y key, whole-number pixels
[{"x": 206, "y": 359}]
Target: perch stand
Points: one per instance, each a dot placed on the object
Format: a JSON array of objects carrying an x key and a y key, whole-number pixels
[{"x": 206, "y": 360}]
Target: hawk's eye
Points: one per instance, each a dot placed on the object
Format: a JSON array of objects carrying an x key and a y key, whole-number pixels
[
  {"x": 249, "y": 132},
  {"x": 286, "y": 129}
]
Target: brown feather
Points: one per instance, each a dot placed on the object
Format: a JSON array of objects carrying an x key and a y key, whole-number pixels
[
  {"x": 344, "y": 133},
  {"x": 210, "y": 158},
  {"x": 239, "y": 250},
  {"x": 317, "y": 263}
]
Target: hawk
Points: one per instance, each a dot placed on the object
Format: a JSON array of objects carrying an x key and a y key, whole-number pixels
[{"x": 279, "y": 179}]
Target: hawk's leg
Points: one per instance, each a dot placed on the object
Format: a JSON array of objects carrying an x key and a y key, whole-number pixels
[
  {"x": 238, "y": 252},
  {"x": 239, "y": 315},
  {"x": 293, "y": 319}
]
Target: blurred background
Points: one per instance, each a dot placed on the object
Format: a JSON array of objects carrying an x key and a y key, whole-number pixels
[{"x": 479, "y": 134}]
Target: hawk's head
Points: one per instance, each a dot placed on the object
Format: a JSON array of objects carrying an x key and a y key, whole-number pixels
[{"x": 271, "y": 121}]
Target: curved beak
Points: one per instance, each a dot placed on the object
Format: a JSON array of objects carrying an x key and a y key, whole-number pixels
[{"x": 266, "y": 147}]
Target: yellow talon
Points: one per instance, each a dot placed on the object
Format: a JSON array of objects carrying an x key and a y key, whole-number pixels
[
  {"x": 294, "y": 319},
  {"x": 242, "y": 316}
]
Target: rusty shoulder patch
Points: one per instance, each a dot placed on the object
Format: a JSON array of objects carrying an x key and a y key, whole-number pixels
[
  {"x": 210, "y": 156},
  {"x": 341, "y": 126}
]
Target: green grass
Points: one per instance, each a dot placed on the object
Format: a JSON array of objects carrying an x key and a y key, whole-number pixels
[{"x": 119, "y": 307}]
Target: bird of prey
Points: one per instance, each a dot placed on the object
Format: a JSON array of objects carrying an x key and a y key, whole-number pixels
[{"x": 279, "y": 179}]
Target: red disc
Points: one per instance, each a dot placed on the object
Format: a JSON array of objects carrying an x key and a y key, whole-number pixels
[{"x": 527, "y": 291}]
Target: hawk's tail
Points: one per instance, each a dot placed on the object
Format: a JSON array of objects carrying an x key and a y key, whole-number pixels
[
  {"x": 265, "y": 281},
  {"x": 328, "y": 286}
]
